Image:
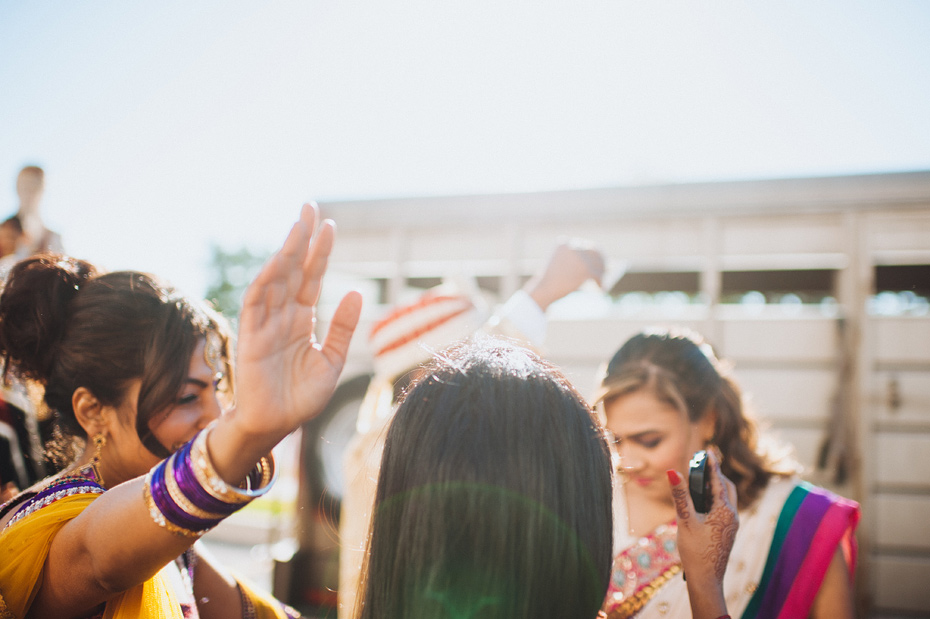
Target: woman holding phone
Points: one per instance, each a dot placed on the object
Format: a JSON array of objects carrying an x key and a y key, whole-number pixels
[{"x": 664, "y": 396}]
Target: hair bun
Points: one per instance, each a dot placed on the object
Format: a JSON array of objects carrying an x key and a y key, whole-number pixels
[{"x": 35, "y": 308}]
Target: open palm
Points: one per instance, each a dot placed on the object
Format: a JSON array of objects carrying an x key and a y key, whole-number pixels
[{"x": 285, "y": 376}]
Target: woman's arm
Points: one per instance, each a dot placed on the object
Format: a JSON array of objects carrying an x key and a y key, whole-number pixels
[
  {"x": 285, "y": 378},
  {"x": 110, "y": 547},
  {"x": 705, "y": 541},
  {"x": 215, "y": 589},
  {"x": 835, "y": 598}
]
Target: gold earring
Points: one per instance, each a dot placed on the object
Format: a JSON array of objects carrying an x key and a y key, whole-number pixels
[{"x": 99, "y": 441}]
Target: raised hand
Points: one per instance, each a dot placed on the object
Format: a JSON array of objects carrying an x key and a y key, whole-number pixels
[
  {"x": 572, "y": 262},
  {"x": 285, "y": 376},
  {"x": 705, "y": 540}
]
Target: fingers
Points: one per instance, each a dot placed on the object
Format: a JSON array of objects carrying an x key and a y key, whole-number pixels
[
  {"x": 680, "y": 496},
  {"x": 341, "y": 327},
  {"x": 716, "y": 477},
  {"x": 295, "y": 246},
  {"x": 720, "y": 485},
  {"x": 314, "y": 264},
  {"x": 280, "y": 277},
  {"x": 594, "y": 262}
]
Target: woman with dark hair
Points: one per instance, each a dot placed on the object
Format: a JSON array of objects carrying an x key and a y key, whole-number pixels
[
  {"x": 138, "y": 377},
  {"x": 494, "y": 494},
  {"x": 664, "y": 396}
]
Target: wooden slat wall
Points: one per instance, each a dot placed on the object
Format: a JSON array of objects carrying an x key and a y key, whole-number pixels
[{"x": 896, "y": 425}]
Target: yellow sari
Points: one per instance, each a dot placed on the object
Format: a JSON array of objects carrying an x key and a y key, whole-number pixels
[{"x": 24, "y": 546}]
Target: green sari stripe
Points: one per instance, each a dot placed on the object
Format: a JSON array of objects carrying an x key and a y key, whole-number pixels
[{"x": 792, "y": 504}]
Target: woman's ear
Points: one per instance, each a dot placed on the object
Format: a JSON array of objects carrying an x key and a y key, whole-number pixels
[{"x": 88, "y": 411}]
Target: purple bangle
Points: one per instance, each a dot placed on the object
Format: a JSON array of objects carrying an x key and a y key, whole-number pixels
[
  {"x": 186, "y": 496},
  {"x": 171, "y": 510},
  {"x": 187, "y": 482}
]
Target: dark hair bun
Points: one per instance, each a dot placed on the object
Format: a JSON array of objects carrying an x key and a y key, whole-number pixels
[{"x": 34, "y": 311}]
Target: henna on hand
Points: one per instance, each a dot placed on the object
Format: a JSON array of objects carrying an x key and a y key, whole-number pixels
[
  {"x": 723, "y": 522},
  {"x": 723, "y": 534},
  {"x": 680, "y": 496}
]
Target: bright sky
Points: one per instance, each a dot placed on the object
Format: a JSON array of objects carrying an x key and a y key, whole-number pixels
[{"x": 164, "y": 127}]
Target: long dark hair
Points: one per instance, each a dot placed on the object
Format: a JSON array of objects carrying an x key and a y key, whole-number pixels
[
  {"x": 683, "y": 370},
  {"x": 494, "y": 496},
  {"x": 66, "y": 326}
]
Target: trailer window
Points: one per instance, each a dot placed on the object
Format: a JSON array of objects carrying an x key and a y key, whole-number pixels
[
  {"x": 778, "y": 286},
  {"x": 901, "y": 290}
]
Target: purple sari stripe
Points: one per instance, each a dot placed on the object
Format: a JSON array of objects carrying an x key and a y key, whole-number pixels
[{"x": 797, "y": 543}]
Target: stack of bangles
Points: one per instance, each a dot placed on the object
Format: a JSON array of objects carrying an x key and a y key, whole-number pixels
[{"x": 186, "y": 496}]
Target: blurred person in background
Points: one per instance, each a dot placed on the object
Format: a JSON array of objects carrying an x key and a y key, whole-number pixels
[
  {"x": 22, "y": 458},
  {"x": 30, "y": 186}
]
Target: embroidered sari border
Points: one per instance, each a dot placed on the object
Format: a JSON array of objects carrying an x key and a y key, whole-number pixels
[{"x": 69, "y": 486}]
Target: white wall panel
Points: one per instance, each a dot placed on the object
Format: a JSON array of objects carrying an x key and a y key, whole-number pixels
[
  {"x": 901, "y": 583},
  {"x": 900, "y": 396},
  {"x": 804, "y": 339},
  {"x": 363, "y": 247},
  {"x": 805, "y": 441},
  {"x": 633, "y": 239},
  {"x": 902, "y": 521},
  {"x": 459, "y": 245},
  {"x": 903, "y": 458},
  {"x": 596, "y": 340},
  {"x": 901, "y": 232},
  {"x": 789, "y": 394},
  {"x": 905, "y": 339},
  {"x": 783, "y": 235}
]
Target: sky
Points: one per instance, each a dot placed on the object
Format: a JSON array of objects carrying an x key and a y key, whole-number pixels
[{"x": 166, "y": 128}]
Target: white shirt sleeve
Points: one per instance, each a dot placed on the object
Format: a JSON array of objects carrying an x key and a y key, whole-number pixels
[{"x": 521, "y": 312}]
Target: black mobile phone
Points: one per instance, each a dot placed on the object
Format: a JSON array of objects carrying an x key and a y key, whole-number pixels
[{"x": 699, "y": 482}]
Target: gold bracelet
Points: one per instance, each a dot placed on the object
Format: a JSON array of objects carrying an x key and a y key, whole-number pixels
[
  {"x": 174, "y": 491},
  {"x": 159, "y": 518},
  {"x": 209, "y": 479}
]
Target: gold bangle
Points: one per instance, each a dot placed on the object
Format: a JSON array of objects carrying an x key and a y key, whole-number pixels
[
  {"x": 177, "y": 495},
  {"x": 159, "y": 518},
  {"x": 267, "y": 470},
  {"x": 209, "y": 479}
]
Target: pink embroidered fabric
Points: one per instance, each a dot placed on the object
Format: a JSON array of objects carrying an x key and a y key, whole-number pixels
[{"x": 642, "y": 563}]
